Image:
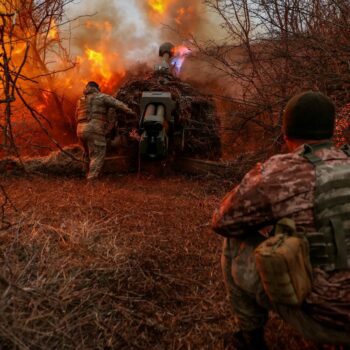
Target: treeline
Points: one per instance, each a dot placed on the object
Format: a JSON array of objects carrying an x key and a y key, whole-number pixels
[{"x": 276, "y": 48}]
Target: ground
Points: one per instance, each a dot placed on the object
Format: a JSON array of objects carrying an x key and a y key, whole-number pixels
[{"x": 123, "y": 263}]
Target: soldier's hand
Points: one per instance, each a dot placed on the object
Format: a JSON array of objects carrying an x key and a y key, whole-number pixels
[
  {"x": 134, "y": 135},
  {"x": 132, "y": 113}
]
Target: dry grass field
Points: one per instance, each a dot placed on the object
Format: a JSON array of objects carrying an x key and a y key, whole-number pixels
[{"x": 122, "y": 263}]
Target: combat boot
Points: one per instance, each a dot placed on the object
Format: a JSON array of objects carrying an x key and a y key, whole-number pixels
[{"x": 244, "y": 340}]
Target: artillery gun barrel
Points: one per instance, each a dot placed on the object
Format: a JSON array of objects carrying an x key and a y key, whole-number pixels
[
  {"x": 150, "y": 110},
  {"x": 161, "y": 111}
]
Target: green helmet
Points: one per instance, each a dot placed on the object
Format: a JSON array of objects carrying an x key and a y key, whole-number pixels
[{"x": 309, "y": 116}]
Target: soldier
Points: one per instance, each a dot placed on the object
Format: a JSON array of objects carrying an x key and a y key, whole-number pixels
[
  {"x": 284, "y": 187},
  {"x": 93, "y": 116}
]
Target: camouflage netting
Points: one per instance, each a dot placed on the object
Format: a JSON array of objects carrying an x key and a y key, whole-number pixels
[{"x": 194, "y": 111}]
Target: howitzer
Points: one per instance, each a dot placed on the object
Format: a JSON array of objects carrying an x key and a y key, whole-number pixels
[
  {"x": 155, "y": 124},
  {"x": 171, "y": 115}
]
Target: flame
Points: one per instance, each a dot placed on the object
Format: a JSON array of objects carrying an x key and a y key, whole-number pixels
[
  {"x": 161, "y": 10},
  {"x": 158, "y": 6},
  {"x": 102, "y": 65},
  {"x": 99, "y": 63}
]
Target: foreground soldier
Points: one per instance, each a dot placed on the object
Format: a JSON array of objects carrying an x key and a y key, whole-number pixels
[
  {"x": 94, "y": 122},
  {"x": 284, "y": 187}
]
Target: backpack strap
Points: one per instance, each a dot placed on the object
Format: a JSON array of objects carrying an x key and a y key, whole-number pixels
[
  {"x": 346, "y": 149},
  {"x": 309, "y": 152},
  {"x": 341, "y": 261},
  {"x": 285, "y": 226}
]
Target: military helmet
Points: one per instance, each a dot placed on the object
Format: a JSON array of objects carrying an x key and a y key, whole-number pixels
[
  {"x": 166, "y": 48},
  {"x": 309, "y": 116},
  {"x": 93, "y": 84}
]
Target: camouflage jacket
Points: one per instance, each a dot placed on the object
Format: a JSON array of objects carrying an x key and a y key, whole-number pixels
[
  {"x": 284, "y": 186},
  {"x": 94, "y": 109},
  {"x": 281, "y": 187}
]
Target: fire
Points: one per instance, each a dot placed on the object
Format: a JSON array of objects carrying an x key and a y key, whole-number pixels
[
  {"x": 99, "y": 63},
  {"x": 182, "y": 14},
  {"x": 102, "y": 65},
  {"x": 158, "y": 6}
]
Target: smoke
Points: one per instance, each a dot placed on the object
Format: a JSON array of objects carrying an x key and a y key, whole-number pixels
[{"x": 133, "y": 30}]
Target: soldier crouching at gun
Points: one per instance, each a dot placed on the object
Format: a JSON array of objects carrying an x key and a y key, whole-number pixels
[
  {"x": 95, "y": 118},
  {"x": 301, "y": 269}
]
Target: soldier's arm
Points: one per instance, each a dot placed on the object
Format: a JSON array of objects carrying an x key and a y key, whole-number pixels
[
  {"x": 130, "y": 119},
  {"x": 112, "y": 119},
  {"x": 245, "y": 209},
  {"x": 114, "y": 103}
]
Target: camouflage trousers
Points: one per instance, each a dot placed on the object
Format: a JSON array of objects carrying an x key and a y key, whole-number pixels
[
  {"x": 249, "y": 302},
  {"x": 95, "y": 146}
]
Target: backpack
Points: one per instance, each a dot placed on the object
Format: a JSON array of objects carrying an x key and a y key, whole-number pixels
[
  {"x": 330, "y": 245},
  {"x": 285, "y": 261}
]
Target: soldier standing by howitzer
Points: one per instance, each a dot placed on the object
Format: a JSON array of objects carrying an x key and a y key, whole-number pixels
[
  {"x": 95, "y": 117},
  {"x": 309, "y": 190}
]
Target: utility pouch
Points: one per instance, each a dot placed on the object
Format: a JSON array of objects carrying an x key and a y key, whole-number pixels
[{"x": 284, "y": 266}]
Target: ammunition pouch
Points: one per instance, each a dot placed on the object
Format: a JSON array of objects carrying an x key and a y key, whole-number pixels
[{"x": 284, "y": 266}]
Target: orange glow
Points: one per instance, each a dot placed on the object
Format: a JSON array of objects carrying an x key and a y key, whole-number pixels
[
  {"x": 102, "y": 65},
  {"x": 176, "y": 11},
  {"x": 158, "y": 6},
  {"x": 99, "y": 63},
  {"x": 160, "y": 10},
  {"x": 184, "y": 13},
  {"x": 19, "y": 48},
  {"x": 105, "y": 26},
  {"x": 53, "y": 32},
  {"x": 45, "y": 98}
]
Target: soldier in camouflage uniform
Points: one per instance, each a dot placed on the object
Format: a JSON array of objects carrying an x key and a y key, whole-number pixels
[
  {"x": 95, "y": 116},
  {"x": 284, "y": 187}
]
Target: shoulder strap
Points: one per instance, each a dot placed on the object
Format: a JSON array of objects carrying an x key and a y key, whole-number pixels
[
  {"x": 309, "y": 152},
  {"x": 346, "y": 149}
]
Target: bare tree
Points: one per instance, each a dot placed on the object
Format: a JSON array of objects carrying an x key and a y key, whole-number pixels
[
  {"x": 275, "y": 48},
  {"x": 38, "y": 24},
  {"x": 30, "y": 41},
  {"x": 9, "y": 75}
]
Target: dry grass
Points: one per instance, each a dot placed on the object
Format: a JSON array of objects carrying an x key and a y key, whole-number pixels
[{"x": 123, "y": 263}]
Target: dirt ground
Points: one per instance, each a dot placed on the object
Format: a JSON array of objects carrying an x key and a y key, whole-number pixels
[{"x": 122, "y": 263}]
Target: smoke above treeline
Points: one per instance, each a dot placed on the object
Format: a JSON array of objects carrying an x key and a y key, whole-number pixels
[{"x": 110, "y": 37}]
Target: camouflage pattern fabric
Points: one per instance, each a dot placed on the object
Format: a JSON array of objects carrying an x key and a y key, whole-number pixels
[
  {"x": 94, "y": 146},
  {"x": 283, "y": 186},
  {"x": 95, "y": 118}
]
